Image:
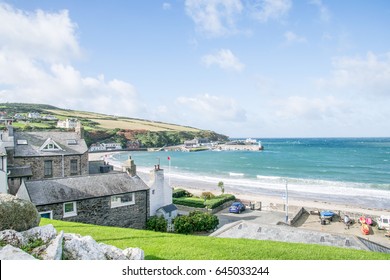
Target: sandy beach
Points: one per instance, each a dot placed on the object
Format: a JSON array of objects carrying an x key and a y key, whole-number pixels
[{"x": 197, "y": 186}]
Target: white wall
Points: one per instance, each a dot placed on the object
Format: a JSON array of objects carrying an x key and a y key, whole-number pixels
[{"x": 160, "y": 191}]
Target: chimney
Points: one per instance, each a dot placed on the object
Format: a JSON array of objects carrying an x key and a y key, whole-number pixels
[
  {"x": 130, "y": 167},
  {"x": 79, "y": 129}
]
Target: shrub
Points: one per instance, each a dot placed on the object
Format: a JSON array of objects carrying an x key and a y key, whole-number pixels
[
  {"x": 196, "y": 221},
  {"x": 207, "y": 195},
  {"x": 183, "y": 225},
  {"x": 180, "y": 193},
  {"x": 157, "y": 224},
  {"x": 203, "y": 221}
]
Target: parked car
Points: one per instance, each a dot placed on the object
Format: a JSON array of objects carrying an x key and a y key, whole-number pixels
[{"x": 237, "y": 207}]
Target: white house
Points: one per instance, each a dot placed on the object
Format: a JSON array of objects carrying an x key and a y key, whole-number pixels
[
  {"x": 34, "y": 115},
  {"x": 161, "y": 195},
  {"x": 68, "y": 123}
]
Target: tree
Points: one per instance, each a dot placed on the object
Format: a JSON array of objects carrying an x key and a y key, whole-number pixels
[{"x": 221, "y": 186}]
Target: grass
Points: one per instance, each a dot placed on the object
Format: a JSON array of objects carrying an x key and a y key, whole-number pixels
[{"x": 166, "y": 246}]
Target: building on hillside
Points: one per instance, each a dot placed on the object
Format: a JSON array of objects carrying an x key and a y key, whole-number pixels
[
  {"x": 105, "y": 147},
  {"x": 34, "y": 115},
  {"x": 68, "y": 123},
  {"x": 112, "y": 199},
  {"x": 196, "y": 142},
  {"x": 49, "y": 118}
]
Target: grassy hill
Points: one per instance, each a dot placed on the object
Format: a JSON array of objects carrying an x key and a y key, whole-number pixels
[
  {"x": 166, "y": 246},
  {"x": 108, "y": 128}
]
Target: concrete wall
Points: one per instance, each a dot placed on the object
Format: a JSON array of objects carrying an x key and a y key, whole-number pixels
[
  {"x": 59, "y": 163},
  {"x": 98, "y": 211}
]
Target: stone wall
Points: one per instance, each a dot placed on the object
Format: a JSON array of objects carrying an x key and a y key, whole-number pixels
[
  {"x": 37, "y": 165},
  {"x": 98, "y": 211}
]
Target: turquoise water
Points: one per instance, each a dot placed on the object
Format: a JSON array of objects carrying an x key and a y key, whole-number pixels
[{"x": 317, "y": 167}]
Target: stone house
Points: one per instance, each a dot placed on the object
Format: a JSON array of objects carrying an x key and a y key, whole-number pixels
[
  {"x": 50, "y": 154},
  {"x": 111, "y": 199}
]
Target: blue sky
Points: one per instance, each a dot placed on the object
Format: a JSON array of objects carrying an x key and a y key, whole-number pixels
[{"x": 245, "y": 68}]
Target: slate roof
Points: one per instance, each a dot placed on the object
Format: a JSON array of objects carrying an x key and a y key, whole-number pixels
[
  {"x": 36, "y": 139},
  {"x": 43, "y": 192},
  {"x": 20, "y": 171},
  {"x": 169, "y": 208}
]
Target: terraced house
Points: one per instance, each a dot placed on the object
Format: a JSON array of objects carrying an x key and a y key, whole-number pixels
[{"x": 51, "y": 169}]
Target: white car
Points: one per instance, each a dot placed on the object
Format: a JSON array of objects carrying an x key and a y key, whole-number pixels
[{"x": 383, "y": 222}]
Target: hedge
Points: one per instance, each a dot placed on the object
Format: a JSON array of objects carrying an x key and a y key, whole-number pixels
[
  {"x": 215, "y": 202},
  {"x": 189, "y": 201},
  {"x": 199, "y": 202}
]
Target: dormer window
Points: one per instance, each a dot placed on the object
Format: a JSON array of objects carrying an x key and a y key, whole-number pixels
[{"x": 50, "y": 145}]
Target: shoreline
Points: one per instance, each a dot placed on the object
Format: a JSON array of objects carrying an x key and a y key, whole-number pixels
[{"x": 197, "y": 186}]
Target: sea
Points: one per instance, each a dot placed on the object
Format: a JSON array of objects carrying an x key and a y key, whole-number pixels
[{"x": 343, "y": 170}]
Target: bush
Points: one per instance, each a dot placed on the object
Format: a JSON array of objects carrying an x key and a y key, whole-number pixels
[
  {"x": 196, "y": 221},
  {"x": 157, "y": 224},
  {"x": 203, "y": 221},
  {"x": 180, "y": 193},
  {"x": 183, "y": 225},
  {"x": 207, "y": 195}
]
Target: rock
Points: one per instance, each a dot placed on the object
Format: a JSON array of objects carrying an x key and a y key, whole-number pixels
[
  {"x": 54, "y": 250},
  {"x": 45, "y": 233},
  {"x": 17, "y": 214},
  {"x": 81, "y": 248},
  {"x": 12, "y": 237},
  {"x": 134, "y": 253},
  {"x": 10, "y": 252},
  {"x": 112, "y": 253}
]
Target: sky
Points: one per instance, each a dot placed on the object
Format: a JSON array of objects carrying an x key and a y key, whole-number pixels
[{"x": 244, "y": 68}]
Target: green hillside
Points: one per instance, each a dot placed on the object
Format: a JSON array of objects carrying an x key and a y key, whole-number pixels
[
  {"x": 107, "y": 128},
  {"x": 167, "y": 246}
]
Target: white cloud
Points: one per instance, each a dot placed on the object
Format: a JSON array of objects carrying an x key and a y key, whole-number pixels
[
  {"x": 166, "y": 6},
  {"x": 212, "y": 108},
  {"x": 265, "y": 10},
  {"x": 300, "y": 107},
  {"x": 324, "y": 12},
  {"x": 292, "y": 38},
  {"x": 48, "y": 36},
  {"x": 214, "y": 17},
  {"x": 369, "y": 75},
  {"x": 36, "y": 50},
  {"x": 225, "y": 59}
]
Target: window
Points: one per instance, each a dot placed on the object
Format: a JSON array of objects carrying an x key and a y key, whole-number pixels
[
  {"x": 70, "y": 209},
  {"x": 46, "y": 214},
  {"x": 48, "y": 172},
  {"x": 74, "y": 170},
  {"x": 122, "y": 200}
]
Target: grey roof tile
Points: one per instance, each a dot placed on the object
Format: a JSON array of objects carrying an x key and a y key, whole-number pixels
[
  {"x": 43, "y": 192},
  {"x": 36, "y": 139}
]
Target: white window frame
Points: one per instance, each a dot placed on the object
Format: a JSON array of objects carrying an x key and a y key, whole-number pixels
[
  {"x": 71, "y": 213},
  {"x": 47, "y": 212},
  {"x": 117, "y": 203}
]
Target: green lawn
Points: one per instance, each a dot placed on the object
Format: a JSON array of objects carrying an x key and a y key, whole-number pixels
[{"x": 158, "y": 246}]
